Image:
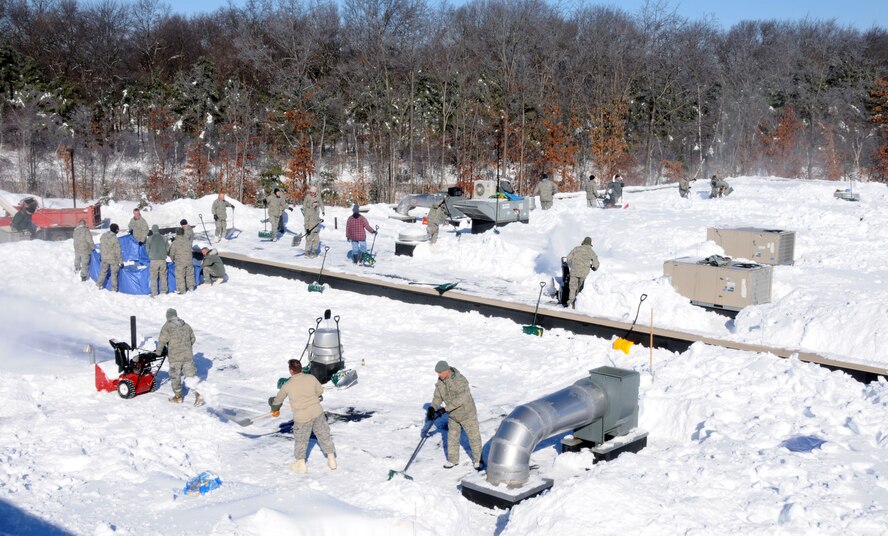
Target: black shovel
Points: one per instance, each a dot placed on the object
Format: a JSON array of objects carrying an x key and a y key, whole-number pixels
[{"x": 424, "y": 435}]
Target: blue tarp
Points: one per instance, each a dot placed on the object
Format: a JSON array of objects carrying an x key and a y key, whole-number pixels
[{"x": 133, "y": 279}]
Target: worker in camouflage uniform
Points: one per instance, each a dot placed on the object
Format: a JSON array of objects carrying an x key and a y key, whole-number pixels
[
  {"x": 177, "y": 339},
  {"x": 452, "y": 389},
  {"x": 138, "y": 227},
  {"x": 181, "y": 254},
  {"x": 220, "y": 215},
  {"x": 684, "y": 187},
  {"x": 187, "y": 231},
  {"x": 580, "y": 260},
  {"x": 614, "y": 193},
  {"x": 435, "y": 219},
  {"x": 83, "y": 249},
  {"x": 312, "y": 209},
  {"x": 546, "y": 189},
  {"x": 158, "y": 249},
  {"x": 112, "y": 258},
  {"x": 719, "y": 187},
  {"x": 591, "y": 191},
  {"x": 212, "y": 267},
  {"x": 304, "y": 392},
  {"x": 276, "y": 203}
]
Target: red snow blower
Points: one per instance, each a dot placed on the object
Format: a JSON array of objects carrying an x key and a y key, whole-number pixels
[{"x": 137, "y": 374}]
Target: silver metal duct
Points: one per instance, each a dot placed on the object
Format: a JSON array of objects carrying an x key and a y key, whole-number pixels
[
  {"x": 518, "y": 435},
  {"x": 412, "y": 201}
]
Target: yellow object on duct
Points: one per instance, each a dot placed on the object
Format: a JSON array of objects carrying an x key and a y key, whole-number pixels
[{"x": 623, "y": 345}]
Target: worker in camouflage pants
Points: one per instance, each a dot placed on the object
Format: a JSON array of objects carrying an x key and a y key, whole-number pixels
[
  {"x": 312, "y": 210},
  {"x": 304, "y": 392},
  {"x": 276, "y": 203},
  {"x": 452, "y": 389},
  {"x": 138, "y": 227},
  {"x": 436, "y": 218},
  {"x": 591, "y": 191},
  {"x": 177, "y": 338},
  {"x": 158, "y": 249},
  {"x": 112, "y": 258},
  {"x": 220, "y": 215},
  {"x": 546, "y": 189},
  {"x": 181, "y": 253},
  {"x": 580, "y": 261},
  {"x": 83, "y": 249}
]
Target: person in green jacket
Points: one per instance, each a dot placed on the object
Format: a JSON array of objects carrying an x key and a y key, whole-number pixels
[
  {"x": 112, "y": 258},
  {"x": 580, "y": 261},
  {"x": 452, "y": 389},
  {"x": 158, "y": 250},
  {"x": 212, "y": 267}
]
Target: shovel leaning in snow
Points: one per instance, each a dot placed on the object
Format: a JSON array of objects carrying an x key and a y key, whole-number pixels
[
  {"x": 265, "y": 234},
  {"x": 441, "y": 288},
  {"x": 234, "y": 232},
  {"x": 205, "y": 229},
  {"x": 622, "y": 343},
  {"x": 424, "y": 435},
  {"x": 317, "y": 286},
  {"x": 534, "y": 329}
]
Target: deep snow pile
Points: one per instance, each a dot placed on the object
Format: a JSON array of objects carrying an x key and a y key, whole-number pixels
[{"x": 720, "y": 421}]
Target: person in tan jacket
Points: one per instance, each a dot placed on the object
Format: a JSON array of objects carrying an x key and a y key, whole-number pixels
[{"x": 304, "y": 392}]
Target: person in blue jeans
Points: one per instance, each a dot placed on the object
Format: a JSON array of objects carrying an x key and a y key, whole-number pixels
[{"x": 355, "y": 232}]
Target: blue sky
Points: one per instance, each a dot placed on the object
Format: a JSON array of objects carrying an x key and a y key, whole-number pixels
[{"x": 862, "y": 14}]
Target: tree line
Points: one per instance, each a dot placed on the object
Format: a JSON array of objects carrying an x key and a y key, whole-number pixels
[{"x": 410, "y": 95}]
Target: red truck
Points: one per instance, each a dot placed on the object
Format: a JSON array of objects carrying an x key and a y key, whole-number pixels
[{"x": 51, "y": 223}]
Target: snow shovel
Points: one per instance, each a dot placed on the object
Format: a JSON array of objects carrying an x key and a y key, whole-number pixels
[
  {"x": 622, "y": 343},
  {"x": 297, "y": 239},
  {"x": 424, "y": 435},
  {"x": 442, "y": 288},
  {"x": 317, "y": 286},
  {"x": 206, "y": 234},
  {"x": 265, "y": 234},
  {"x": 367, "y": 258},
  {"x": 534, "y": 329},
  {"x": 247, "y": 421},
  {"x": 234, "y": 232}
]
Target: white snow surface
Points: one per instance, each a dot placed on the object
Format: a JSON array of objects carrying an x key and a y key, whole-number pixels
[{"x": 73, "y": 460}]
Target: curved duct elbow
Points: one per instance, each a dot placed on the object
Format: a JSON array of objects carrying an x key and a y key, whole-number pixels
[
  {"x": 518, "y": 435},
  {"x": 410, "y": 202}
]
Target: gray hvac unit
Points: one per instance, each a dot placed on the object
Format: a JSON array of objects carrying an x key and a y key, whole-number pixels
[
  {"x": 764, "y": 246},
  {"x": 720, "y": 283},
  {"x": 846, "y": 195}
]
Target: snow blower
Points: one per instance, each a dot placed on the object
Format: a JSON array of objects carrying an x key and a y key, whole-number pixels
[
  {"x": 136, "y": 375},
  {"x": 424, "y": 434},
  {"x": 622, "y": 343},
  {"x": 533, "y": 329},
  {"x": 265, "y": 234},
  {"x": 368, "y": 258},
  {"x": 317, "y": 286}
]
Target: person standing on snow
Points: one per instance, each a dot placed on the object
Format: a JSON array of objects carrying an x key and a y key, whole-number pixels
[
  {"x": 158, "y": 249},
  {"x": 719, "y": 186},
  {"x": 220, "y": 215},
  {"x": 354, "y": 233},
  {"x": 312, "y": 209},
  {"x": 580, "y": 260},
  {"x": 277, "y": 204},
  {"x": 591, "y": 191},
  {"x": 177, "y": 339},
  {"x": 614, "y": 193},
  {"x": 181, "y": 253},
  {"x": 83, "y": 249},
  {"x": 112, "y": 258},
  {"x": 546, "y": 189},
  {"x": 304, "y": 392},
  {"x": 212, "y": 267},
  {"x": 138, "y": 227},
  {"x": 452, "y": 388},
  {"x": 187, "y": 231},
  {"x": 435, "y": 219},
  {"x": 684, "y": 187}
]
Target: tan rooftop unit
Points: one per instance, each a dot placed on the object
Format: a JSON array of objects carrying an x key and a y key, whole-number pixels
[
  {"x": 765, "y": 246},
  {"x": 720, "y": 283}
]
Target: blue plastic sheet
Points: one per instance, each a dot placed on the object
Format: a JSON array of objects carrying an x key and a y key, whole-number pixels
[
  {"x": 133, "y": 278},
  {"x": 202, "y": 483}
]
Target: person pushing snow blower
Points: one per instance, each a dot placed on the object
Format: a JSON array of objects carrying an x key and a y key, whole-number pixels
[
  {"x": 304, "y": 392},
  {"x": 178, "y": 339},
  {"x": 453, "y": 390}
]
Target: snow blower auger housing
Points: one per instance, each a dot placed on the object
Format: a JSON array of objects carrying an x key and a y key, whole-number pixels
[{"x": 137, "y": 374}]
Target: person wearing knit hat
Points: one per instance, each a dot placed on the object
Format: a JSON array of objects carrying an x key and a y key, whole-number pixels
[
  {"x": 580, "y": 260},
  {"x": 277, "y": 204},
  {"x": 546, "y": 189},
  {"x": 312, "y": 210},
  {"x": 111, "y": 257},
  {"x": 452, "y": 389},
  {"x": 177, "y": 340},
  {"x": 187, "y": 230},
  {"x": 355, "y": 228}
]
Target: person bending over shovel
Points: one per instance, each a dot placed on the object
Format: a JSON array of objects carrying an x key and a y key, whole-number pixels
[
  {"x": 304, "y": 392},
  {"x": 452, "y": 389}
]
